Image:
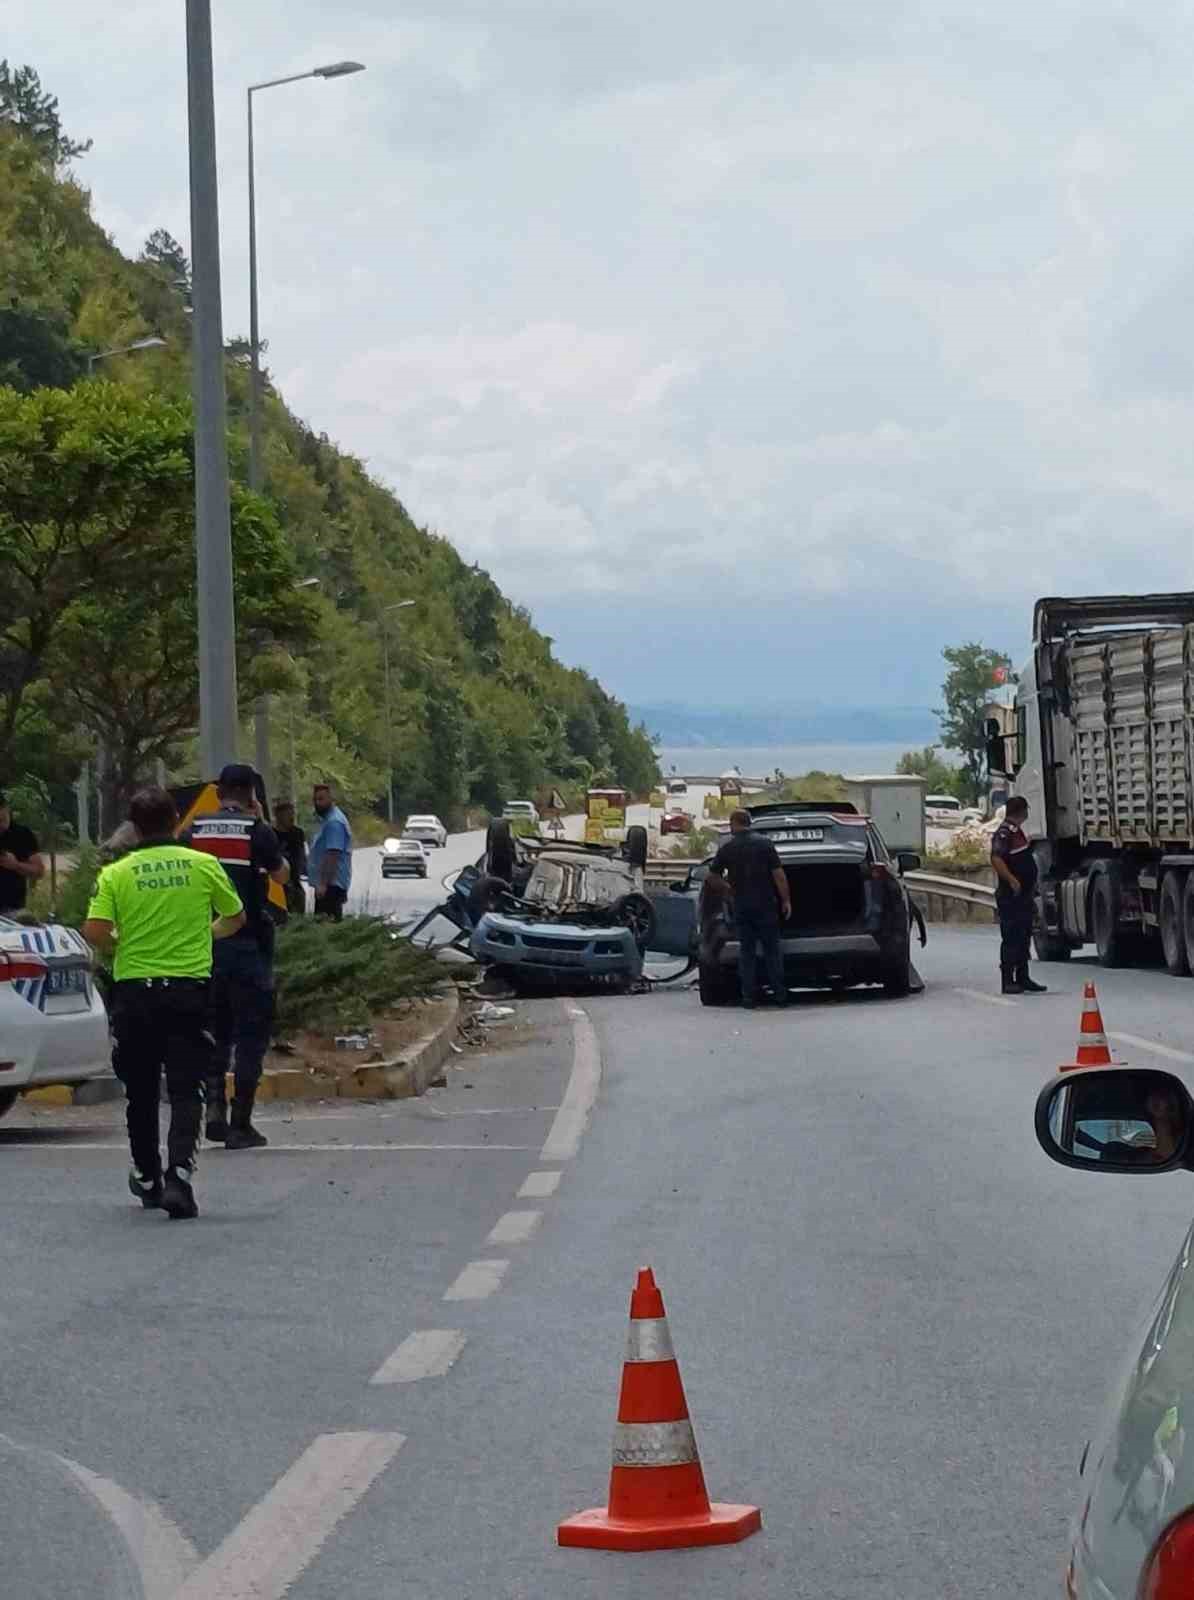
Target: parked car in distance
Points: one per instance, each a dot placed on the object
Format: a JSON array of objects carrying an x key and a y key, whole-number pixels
[
  {"x": 522, "y": 815},
  {"x": 1133, "y": 1531},
  {"x": 53, "y": 1024},
  {"x": 850, "y": 920},
  {"x": 677, "y": 786},
  {"x": 942, "y": 809},
  {"x": 403, "y": 858},
  {"x": 427, "y": 830},
  {"x": 675, "y": 822}
]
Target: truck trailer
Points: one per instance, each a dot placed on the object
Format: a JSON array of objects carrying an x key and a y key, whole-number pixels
[{"x": 1102, "y": 750}]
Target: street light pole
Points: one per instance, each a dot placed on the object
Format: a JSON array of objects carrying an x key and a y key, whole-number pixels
[
  {"x": 152, "y": 343},
  {"x": 337, "y": 69},
  {"x": 213, "y": 527}
]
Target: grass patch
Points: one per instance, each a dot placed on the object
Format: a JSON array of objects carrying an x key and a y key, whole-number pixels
[
  {"x": 695, "y": 846},
  {"x": 333, "y": 977}
]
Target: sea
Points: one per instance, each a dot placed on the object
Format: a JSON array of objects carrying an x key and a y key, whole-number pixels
[{"x": 851, "y": 760}]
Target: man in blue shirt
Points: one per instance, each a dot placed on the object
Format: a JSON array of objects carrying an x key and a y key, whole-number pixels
[{"x": 329, "y": 856}]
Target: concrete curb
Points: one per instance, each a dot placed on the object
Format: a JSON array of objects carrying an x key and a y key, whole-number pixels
[{"x": 401, "y": 1078}]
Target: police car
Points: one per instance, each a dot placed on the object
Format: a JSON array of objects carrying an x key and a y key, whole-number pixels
[{"x": 53, "y": 1025}]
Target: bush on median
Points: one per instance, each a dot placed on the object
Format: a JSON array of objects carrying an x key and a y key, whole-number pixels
[{"x": 333, "y": 977}]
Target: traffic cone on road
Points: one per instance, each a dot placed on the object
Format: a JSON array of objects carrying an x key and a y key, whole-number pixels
[
  {"x": 1092, "y": 1041},
  {"x": 657, "y": 1495}
]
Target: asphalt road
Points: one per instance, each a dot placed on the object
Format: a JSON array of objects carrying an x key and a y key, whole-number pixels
[{"x": 895, "y": 1319}]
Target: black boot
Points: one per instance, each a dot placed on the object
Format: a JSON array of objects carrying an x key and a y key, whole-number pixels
[
  {"x": 1026, "y": 983},
  {"x": 242, "y": 1135},
  {"x": 178, "y": 1198},
  {"x": 217, "y": 1110},
  {"x": 1011, "y": 983},
  {"x": 146, "y": 1187}
]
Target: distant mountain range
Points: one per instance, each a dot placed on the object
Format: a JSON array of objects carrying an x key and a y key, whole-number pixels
[{"x": 678, "y": 726}]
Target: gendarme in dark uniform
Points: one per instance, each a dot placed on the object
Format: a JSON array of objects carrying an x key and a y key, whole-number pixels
[
  {"x": 1015, "y": 895},
  {"x": 242, "y": 989}
]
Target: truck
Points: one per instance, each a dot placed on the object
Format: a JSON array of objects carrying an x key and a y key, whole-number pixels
[
  {"x": 896, "y": 804},
  {"x": 1102, "y": 748}
]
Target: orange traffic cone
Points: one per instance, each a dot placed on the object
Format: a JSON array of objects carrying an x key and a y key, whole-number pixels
[
  {"x": 1092, "y": 1041},
  {"x": 657, "y": 1495}
]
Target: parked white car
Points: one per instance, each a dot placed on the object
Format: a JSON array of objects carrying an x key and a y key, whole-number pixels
[
  {"x": 427, "y": 830},
  {"x": 1133, "y": 1530},
  {"x": 400, "y": 857},
  {"x": 53, "y": 1025},
  {"x": 521, "y": 811},
  {"x": 943, "y": 809}
]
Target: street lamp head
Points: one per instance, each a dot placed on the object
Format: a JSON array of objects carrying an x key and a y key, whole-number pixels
[
  {"x": 306, "y": 583},
  {"x": 339, "y": 69},
  {"x": 153, "y": 343},
  {"x": 400, "y": 605}
]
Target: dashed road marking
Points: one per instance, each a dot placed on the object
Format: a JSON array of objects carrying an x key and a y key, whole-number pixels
[
  {"x": 539, "y": 1186},
  {"x": 516, "y": 1227},
  {"x": 69, "y": 1145},
  {"x": 1166, "y": 1050},
  {"x": 563, "y": 1141},
  {"x": 987, "y": 999},
  {"x": 478, "y": 1280},
  {"x": 262, "y": 1557},
  {"x": 430, "y": 1353}
]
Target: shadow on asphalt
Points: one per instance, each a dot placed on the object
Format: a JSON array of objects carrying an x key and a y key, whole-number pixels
[{"x": 18, "y": 1135}]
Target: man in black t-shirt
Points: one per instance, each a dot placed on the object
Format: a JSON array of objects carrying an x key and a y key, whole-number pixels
[
  {"x": 1014, "y": 866},
  {"x": 294, "y": 847},
  {"x": 762, "y": 897},
  {"x": 242, "y": 980},
  {"x": 20, "y": 862}
]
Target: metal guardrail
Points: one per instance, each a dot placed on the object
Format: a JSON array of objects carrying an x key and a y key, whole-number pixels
[{"x": 971, "y": 894}]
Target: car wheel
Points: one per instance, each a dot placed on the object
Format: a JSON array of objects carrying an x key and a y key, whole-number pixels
[
  {"x": 635, "y": 911},
  {"x": 716, "y": 987},
  {"x": 636, "y": 846},
  {"x": 8, "y": 1099},
  {"x": 1173, "y": 931},
  {"x": 499, "y": 848},
  {"x": 1110, "y": 941},
  {"x": 897, "y": 979}
]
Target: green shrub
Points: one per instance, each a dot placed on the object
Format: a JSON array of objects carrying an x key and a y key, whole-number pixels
[
  {"x": 695, "y": 846},
  {"x": 959, "y": 855},
  {"x": 335, "y": 976}
]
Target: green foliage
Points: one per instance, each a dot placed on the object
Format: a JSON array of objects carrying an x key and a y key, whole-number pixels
[
  {"x": 941, "y": 777},
  {"x": 27, "y": 107},
  {"x": 337, "y": 976},
  {"x": 960, "y": 855},
  {"x": 969, "y": 685},
  {"x": 815, "y": 786},
  {"x": 695, "y": 846},
  {"x": 76, "y": 888}
]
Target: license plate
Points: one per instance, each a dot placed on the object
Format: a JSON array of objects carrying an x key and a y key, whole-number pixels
[
  {"x": 66, "y": 980},
  {"x": 797, "y": 836}
]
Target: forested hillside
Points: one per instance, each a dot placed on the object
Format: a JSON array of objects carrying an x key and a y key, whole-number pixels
[{"x": 97, "y": 616}]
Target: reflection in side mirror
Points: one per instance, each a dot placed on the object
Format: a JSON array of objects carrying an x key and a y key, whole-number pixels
[
  {"x": 1116, "y": 1119},
  {"x": 908, "y": 861}
]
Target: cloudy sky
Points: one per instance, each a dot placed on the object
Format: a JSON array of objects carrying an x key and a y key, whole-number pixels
[{"x": 760, "y": 349}]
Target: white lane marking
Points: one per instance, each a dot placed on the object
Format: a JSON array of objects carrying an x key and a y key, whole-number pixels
[
  {"x": 428, "y": 1354},
  {"x": 1166, "y": 1050},
  {"x": 539, "y": 1186},
  {"x": 282, "y": 1535},
  {"x": 572, "y": 1118},
  {"x": 478, "y": 1280},
  {"x": 988, "y": 999},
  {"x": 163, "y": 1553},
  {"x": 274, "y": 1149},
  {"x": 516, "y": 1227}
]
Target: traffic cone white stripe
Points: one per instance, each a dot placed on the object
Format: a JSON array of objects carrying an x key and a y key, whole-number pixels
[
  {"x": 654, "y": 1444},
  {"x": 1087, "y": 1040},
  {"x": 649, "y": 1340}
]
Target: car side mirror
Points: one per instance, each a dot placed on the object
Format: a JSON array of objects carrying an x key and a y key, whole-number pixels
[
  {"x": 1116, "y": 1119},
  {"x": 908, "y": 861}
]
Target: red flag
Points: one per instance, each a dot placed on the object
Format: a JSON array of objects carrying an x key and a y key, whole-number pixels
[{"x": 1000, "y": 675}]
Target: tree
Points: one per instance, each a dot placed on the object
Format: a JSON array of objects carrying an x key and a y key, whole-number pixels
[
  {"x": 25, "y": 105},
  {"x": 163, "y": 253},
  {"x": 940, "y": 776},
  {"x": 968, "y": 687}
]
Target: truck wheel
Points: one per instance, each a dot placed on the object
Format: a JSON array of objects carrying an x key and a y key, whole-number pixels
[
  {"x": 1188, "y": 918},
  {"x": 8, "y": 1099},
  {"x": 1048, "y": 946},
  {"x": 1173, "y": 927},
  {"x": 1109, "y": 937},
  {"x": 715, "y": 986}
]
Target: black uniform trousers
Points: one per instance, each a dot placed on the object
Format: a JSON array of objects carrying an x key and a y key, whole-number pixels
[
  {"x": 242, "y": 1020},
  {"x": 1015, "y": 928},
  {"x": 759, "y": 929},
  {"x": 161, "y": 1023}
]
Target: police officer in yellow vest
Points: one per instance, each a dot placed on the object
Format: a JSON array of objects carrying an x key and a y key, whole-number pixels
[{"x": 159, "y": 908}]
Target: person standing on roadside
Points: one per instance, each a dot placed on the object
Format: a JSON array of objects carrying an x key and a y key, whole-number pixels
[
  {"x": 20, "y": 861},
  {"x": 294, "y": 847},
  {"x": 1015, "y": 871},
  {"x": 154, "y": 907},
  {"x": 761, "y": 899},
  {"x": 242, "y": 987},
  {"x": 330, "y": 856}
]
